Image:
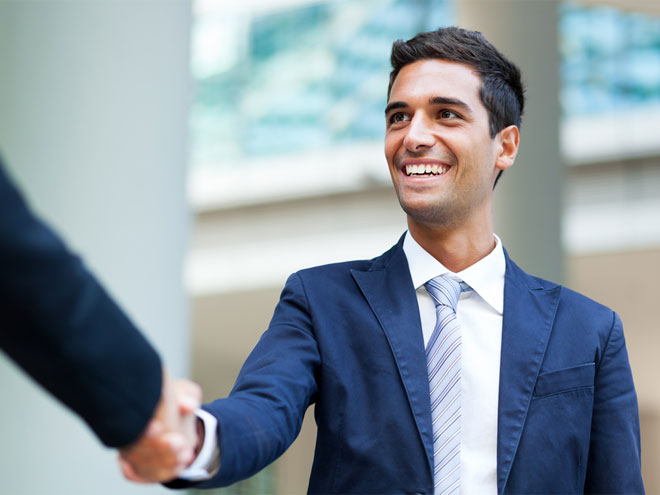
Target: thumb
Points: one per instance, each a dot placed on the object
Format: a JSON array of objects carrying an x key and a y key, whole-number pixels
[{"x": 188, "y": 396}]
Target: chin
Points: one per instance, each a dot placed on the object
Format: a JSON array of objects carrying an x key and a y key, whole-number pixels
[{"x": 432, "y": 214}]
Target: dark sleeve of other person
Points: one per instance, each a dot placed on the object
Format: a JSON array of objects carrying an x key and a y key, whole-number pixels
[{"x": 64, "y": 330}]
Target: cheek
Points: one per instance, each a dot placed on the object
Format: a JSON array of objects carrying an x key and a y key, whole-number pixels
[
  {"x": 480, "y": 156},
  {"x": 392, "y": 145}
]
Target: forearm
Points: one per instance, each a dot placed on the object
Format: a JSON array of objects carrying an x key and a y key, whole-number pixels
[{"x": 264, "y": 412}]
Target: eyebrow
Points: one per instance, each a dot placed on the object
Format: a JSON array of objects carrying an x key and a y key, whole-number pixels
[
  {"x": 394, "y": 105},
  {"x": 436, "y": 100},
  {"x": 442, "y": 100}
]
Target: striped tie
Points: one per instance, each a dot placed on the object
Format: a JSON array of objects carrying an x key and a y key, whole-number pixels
[{"x": 443, "y": 359}]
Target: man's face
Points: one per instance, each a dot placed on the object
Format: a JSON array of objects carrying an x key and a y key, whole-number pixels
[{"x": 438, "y": 147}]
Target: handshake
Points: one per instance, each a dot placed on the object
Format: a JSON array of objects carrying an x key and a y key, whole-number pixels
[{"x": 172, "y": 438}]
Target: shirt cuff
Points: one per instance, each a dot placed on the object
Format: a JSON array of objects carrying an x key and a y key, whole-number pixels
[{"x": 207, "y": 463}]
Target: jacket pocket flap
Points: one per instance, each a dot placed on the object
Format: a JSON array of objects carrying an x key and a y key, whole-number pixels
[{"x": 554, "y": 382}]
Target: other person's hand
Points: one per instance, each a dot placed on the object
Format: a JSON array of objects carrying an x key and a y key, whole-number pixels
[{"x": 168, "y": 445}]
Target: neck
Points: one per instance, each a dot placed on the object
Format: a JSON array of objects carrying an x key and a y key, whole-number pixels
[{"x": 455, "y": 248}]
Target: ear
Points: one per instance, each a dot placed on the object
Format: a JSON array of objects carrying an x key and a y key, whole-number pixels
[{"x": 508, "y": 139}]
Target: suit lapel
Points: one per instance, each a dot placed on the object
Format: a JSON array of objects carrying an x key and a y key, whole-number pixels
[
  {"x": 388, "y": 288},
  {"x": 529, "y": 312}
]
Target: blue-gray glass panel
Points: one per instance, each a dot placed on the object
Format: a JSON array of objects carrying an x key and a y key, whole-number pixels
[
  {"x": 610, "y": 60},
  {"x": 303, "y": 78}
]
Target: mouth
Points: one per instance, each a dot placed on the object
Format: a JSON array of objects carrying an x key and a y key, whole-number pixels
[{"x": 425, "y": 169}]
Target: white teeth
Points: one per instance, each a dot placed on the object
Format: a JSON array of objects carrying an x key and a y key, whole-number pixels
[{"x": 422, "y": 169}]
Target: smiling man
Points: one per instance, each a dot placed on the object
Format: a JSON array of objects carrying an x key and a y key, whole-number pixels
[
  {"x": 443, "y": 158},
  {"x": 440, "y": 366}
]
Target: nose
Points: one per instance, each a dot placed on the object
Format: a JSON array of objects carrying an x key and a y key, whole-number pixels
[{"x": 419, "y": 134}]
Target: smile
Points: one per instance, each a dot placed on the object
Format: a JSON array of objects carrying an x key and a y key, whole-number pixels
[{"x": 423, "y": 169}]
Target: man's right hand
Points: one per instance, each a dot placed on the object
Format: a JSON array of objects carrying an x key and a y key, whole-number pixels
[{"x": 168, "y": 445}]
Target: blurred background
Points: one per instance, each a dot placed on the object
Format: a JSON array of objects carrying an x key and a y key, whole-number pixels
[{"x": 197, "y": 152}]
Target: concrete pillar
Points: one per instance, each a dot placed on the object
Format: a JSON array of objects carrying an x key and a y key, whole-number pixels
[
  {"x": 93, "y": 110},
  {"x": 528, "y": 198}
]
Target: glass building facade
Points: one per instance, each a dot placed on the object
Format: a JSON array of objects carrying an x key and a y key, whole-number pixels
[
  {"x": 312, "y": 76},
  {"x": 610, "y": 60},
  {"x": 293, "y": 79}
]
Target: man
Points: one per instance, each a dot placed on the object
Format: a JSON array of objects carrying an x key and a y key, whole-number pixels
[
  {"x": 61, "y": 327},
  {"x": 439, "y": 366}
]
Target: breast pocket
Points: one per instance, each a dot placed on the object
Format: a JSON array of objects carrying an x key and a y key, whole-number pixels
[{"x": 565, "y": 380}]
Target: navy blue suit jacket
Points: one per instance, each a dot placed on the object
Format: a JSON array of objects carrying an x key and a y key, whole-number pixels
[
  {"x": 59, "y": 324},
  {"x": 347, "y": 337}
]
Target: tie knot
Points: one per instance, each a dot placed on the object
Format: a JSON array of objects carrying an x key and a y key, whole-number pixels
[{"x": 445, "y": 291}]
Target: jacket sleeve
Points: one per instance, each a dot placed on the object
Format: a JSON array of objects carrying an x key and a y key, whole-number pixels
[
  {"x": 63, "y": 329},
  {"x": 614, "y": 464},
  {"x": 263, "y": 414}
]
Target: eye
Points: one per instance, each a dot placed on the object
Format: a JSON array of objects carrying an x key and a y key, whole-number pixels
[
  {"x": 448, "y": 114},
  {"x": 398, "y": 117}
]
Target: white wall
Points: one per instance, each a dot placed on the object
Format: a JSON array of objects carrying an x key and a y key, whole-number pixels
[{"x": 93, "y": 114}]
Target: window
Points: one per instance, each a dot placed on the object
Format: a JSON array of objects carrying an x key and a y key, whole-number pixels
[
  {"x": 282, "y": 79},
  {"x": 610, "y": 60}
]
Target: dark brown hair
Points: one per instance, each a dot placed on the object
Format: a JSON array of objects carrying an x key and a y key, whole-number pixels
[{"x": 502, "y": 91}]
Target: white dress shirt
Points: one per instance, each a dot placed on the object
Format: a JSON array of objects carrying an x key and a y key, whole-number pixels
[
  {"x": 207, "y": 462},
  {"x": 479, "y": 313}
]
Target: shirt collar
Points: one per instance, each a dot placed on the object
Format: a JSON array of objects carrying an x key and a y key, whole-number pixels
[{"x": 486, "y": 276}]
